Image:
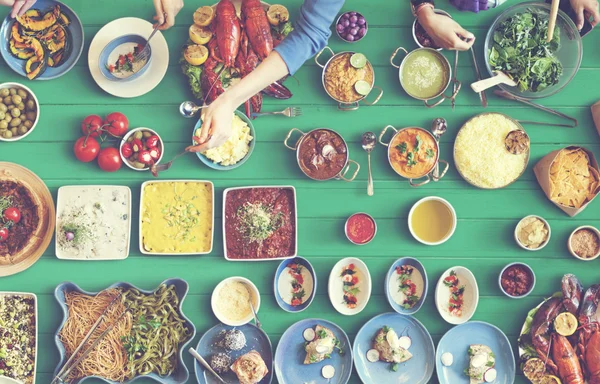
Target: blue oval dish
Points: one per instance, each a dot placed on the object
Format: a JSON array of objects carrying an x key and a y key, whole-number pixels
[
  {"x": 457, "y": 341},
  {"x": 256, "y": 339},
  {"x": 281, "y": 269},
  {"x": 209, "y": 163},
  {"x": 417, "y": 370},
  {"x": 181, "y": 374},
  {"x": 289, "y": 358},
  {"x": 74, "y": 36},
  {"x": 104, "y": 61},
  {"x": 391, "y": 277}
]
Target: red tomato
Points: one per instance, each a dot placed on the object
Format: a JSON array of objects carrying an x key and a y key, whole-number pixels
[
  {"x": 145, "y": 157},
  {"x": 126, "y": 150},
  {"x": 154, "y": 153},
  {"x": 117, "y": 124},
  {"x": 12, "y": 214},
  {"x": 109, "y": 159},
  {"x": 3, "y": 233},
  {"x": 86, "y": 150},
  {"x": 121, "y": 59},
  {"x": 152, "y": 141},
  {"x": 91, "y": 125}
]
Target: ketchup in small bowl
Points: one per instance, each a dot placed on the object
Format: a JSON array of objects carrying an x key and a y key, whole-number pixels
[
  {"x": 517, "y": 280},
  {"x": 360, "y": 228}
]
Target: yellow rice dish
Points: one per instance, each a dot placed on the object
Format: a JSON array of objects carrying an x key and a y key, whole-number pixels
[
  {"x": 177, "y": 217},
  {"x": 235, "y": 148},
  {"x": 480, "y": 152}
]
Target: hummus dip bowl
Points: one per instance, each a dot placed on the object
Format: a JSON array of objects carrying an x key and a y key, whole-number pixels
[
  {"x": 434, "y": 80},
  {"x": 322, "y": 154},
  {"x": 335, "y": 71},
  {"x": 428, "y": 169}
]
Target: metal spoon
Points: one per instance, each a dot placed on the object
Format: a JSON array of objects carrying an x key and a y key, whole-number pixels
[
  {"x": 438, "y": 128},
  {"x": 155, "y": 168},
  {"x": 201, "y": 360},
  {"x": 368, "y": 143},
  {"x": 256, "y": 321},
  {"x": 189, "y": 108}
]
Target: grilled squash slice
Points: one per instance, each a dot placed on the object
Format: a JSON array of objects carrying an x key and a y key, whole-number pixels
[
  {"x": 64, "y": 20},
  {"x": 34, "y": 67},
  {"x": 39, "y": 24},
  {"x": 54, "y": 38},
  {"x": 20, "y": 53}
]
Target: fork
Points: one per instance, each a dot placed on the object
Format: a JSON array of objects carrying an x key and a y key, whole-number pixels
[
  {"x": 155, "y": 168},
  {"x": 288, "y": 112},
  {"x": 143, "y": 54}
]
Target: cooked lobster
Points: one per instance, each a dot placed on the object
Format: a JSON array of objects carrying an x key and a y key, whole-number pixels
[
  {"x": 227, "y": 31},
  {"x": 247, "y": 61},
  {"x": 566, "y": 361},
  {"x": 210, "y": 81},
  {"x": 254, "y": 18},
  {"x": 541, "y": 327},
  {"x": 592, "y": 358},
  {"x": 572, "y": 291},
  {"x": 588, "y": 346}
]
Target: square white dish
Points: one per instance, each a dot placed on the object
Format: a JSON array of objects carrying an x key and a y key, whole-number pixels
[
  {"x": 87, "y": 196},
  {"x": 212, "y": 235},
  {"x": 226, "y": 191},
  {"x": 36, "y": 332}
]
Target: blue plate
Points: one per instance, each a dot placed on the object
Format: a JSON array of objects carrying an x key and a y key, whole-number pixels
[
  {"x": 392, "y": 276},
  {"x": 285, "y": 306},
  {"x": 290, "y": 354},
  {"x": 74, "y": 30},
  {"x": 181, "y": 374},
  {"x": 256, "y": 339},
  {"x": 417, "y": 370},
  {"x": 130, "y": 39},
  {"x": 457, "y": 341},
  {"x": 209, "y": 163}
]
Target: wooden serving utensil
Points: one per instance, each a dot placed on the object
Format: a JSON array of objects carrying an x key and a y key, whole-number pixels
[
  {"x": 499, "y": 78},
  {"x": 552, "y": 21}
]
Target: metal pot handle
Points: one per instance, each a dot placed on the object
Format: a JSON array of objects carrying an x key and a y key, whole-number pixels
[
  {"x": 376, "y": 99},
  {"x": 285, "y": 142},
  {"x": 427, "y": 180},
  {"x": 394, "y": 56},
  {"x": 437, "y": 178},
  {"x": 319, "y": 54},
  {"x": 343, "y": 173},
  {"x": 444, "y": 97},
  {"x": 348, "y": 107},
  {"x": 383, "y": 133}
]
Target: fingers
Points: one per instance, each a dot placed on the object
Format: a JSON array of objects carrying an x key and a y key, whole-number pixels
[
  {"x": 160, "y": 18},
  {"x": 595, "y": 14},
  {"x": 169, "y": 22},
  {"x": 579, "y": 17},
  {"x": 205, "y": 130},
  {"x": 28, "y": 4},
  {"x": 16, "y": 8}
]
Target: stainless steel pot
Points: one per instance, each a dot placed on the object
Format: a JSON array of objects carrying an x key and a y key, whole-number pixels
[{"x": 342, "y": 174}]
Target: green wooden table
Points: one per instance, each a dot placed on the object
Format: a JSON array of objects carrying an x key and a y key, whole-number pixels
[{"x": 483, "y": 241}]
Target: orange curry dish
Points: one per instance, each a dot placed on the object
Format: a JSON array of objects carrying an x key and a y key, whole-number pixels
[{"x": 413, "y": 152}]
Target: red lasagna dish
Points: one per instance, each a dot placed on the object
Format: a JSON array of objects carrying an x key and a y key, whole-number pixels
[{"x": 260, "y": 223}]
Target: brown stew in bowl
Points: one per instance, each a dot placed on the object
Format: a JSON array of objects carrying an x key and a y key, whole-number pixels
[
  {"x": 16, "y": 195},
  {"x": 322, "y": 154}
]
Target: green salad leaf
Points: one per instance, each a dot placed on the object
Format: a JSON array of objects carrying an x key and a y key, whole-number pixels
[
  {"x": 520, "y": 50},
  {"x": 193, "y": 74}
]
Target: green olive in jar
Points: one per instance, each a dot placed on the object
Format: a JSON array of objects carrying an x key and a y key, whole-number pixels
[
  {"x": 14, "y": 130},
  {"x": 8, "y": 118},
  {"x": 15, "y": 112},
  {"x": 147, "y": 134},
  {"x": 12, "y": 91},
  {"x": 23, "y": 130},
  {"x": 4, "y": 92},
  {"x": 28, "y": 124},
  {"x": 3, "y": 124},
  {"x": 16, "y": 99},
  {"x": 8, "y": 100},
  {"x": 138, "y": 165},
  {"x": 22, "y": 93},
  {"x": 30, "y": 105},
  {"x": 15, "y": 122},
  {"x": 2, "y": 115},
  {"x": 138, "y": 135},
  {"x": 31, "y": 116},
  {"x": 3, "y": 108},
  {"x": 21, "y": 107},
  {"x": 7, "y": 134}
]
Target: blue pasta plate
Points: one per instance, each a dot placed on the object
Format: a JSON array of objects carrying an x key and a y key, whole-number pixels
[
  {"x": 180, "y": 375},
  {"x": 406, "y": 285},
  {"x": 118, "y": 49},
  {"x": 295, "y": 284}
]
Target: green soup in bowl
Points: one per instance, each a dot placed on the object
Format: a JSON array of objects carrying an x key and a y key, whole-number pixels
[{"x": 425, "y": 73}]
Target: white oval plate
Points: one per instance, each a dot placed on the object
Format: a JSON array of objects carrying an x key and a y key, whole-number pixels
[
  {"x": 471, "y": 295},
  {"x": 156, "y": 69},
  {"x": 335, "y": 287}
]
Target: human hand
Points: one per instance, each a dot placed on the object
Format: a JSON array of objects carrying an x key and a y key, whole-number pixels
[
  {"x": 217, "y": 121},
  {"x": 19, "y": 7},
  {"x": 585, "y": 10},
  {"x": 166, "y": 10},
  {"x": 445, "y": 32}
]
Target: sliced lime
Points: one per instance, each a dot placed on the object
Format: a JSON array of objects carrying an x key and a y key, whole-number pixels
[
  {"x": 362, "y": 87},
  {"x": 358, "y": 60}
]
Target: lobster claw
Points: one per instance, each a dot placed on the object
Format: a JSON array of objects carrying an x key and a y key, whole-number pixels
[{"x": 572, "y": 290}]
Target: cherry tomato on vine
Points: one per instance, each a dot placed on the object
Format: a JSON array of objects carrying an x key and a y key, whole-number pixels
[
  {"x": 109, "y": 159},
  {"x": 91, "y": 125},
  {"x": 12, "y": 214},
  {"x": 117, "y": 124},
  {"x": 3, "y": 234},
  {"x": 86, "y": 150}
]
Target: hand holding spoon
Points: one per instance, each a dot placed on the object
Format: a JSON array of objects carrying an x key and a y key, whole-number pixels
[
  {"x": 368, "y": 143},
  {"x": 188, "y": 109}
]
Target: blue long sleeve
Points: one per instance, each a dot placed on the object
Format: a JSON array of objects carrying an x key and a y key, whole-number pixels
[{"x": 310, "y": 34}]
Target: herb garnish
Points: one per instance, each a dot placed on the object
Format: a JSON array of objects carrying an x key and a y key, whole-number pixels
[
  {"x": 258, "y": 222},
  {"x": 411, "y": 159},
  {"x": 402, "y": 147},
  {"x": 418, "y": 143},
  {"x": 429, "y": 153},
  {"x": 182, "y": 215}
]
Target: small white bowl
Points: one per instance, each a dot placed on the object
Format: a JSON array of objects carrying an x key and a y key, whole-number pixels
[
  {"x": 220, "y": 316},
  {"x": 471, "y": 295},
  {"x": 571, "y": 248},
  {"x": 541, "y": 246},
  {"x": 335, "y": 287},
  {"x": 128, "y": 135},
  {"x": 454, "y": 221},
  {"x": 346, "y": 228},
  {"x": 37, "y": 109}
]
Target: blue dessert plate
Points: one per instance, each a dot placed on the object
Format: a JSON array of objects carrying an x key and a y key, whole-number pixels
[
  {"x": 392, "y": 285},
  {"x": 283, "y": 281},
  {"x": 457, "y": 341},
  {"x": 417, "y": 370},
  {"x": 290, "y": 354}
]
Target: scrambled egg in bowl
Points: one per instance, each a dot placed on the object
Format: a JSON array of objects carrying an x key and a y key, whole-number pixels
[
  {"x": 177, "y": 217},
  {"x": 235, "y": 148}
]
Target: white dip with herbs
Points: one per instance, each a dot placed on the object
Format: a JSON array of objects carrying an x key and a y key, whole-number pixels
[{"x": 93, "y": 222}]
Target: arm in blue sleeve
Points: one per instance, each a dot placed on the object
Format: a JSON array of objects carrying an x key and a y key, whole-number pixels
[{"x": 310, "y": 34}]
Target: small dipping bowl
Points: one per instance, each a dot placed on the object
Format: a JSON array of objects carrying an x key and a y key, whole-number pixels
[
  {"x": 527, "y": 270},
  {"x": 215, "y": 297},
  {"x": 452, "y": 212},
  {"x": 570, "y": 245},
  {"x": 120, "y": 46},
  {"x": 348, "y": 15},
  {"x": 541, "y": 246},
  {"x": 360, "y": 228},
  {"x": 131, "y": 133}
]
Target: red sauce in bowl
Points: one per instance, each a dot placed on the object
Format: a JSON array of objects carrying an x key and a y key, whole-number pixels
[
  {"x": 517, "y": 280},
  {"x": 360, "y": 228}
]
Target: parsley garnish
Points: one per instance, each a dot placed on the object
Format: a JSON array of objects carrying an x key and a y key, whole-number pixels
[
  {"x": 429, "y": 153},
  {"x": 401, "y": 147},
  {"x": 418, "y": 143},
  {"x": 410, "y": 159}
]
